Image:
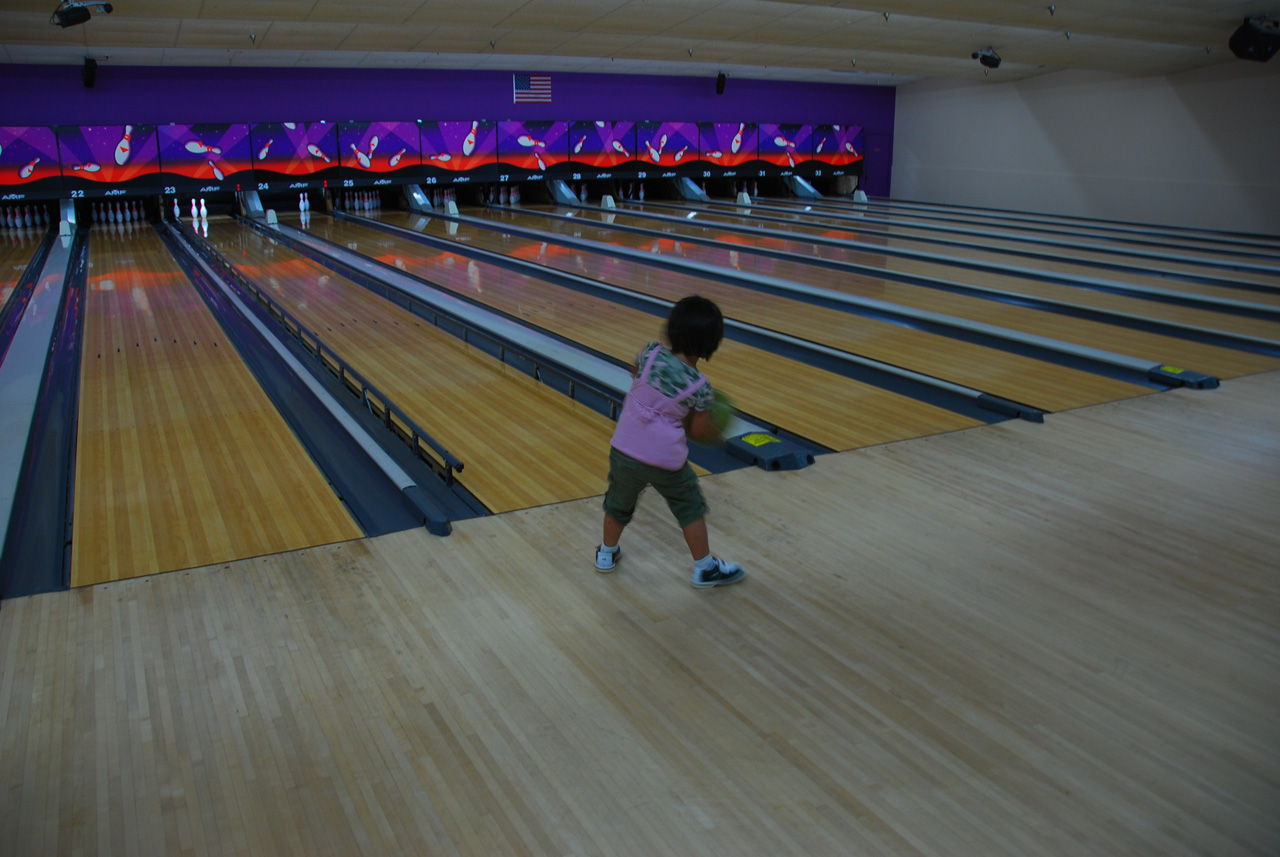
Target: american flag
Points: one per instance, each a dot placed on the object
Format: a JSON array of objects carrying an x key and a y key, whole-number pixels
[{"x": 531, "y": 88}]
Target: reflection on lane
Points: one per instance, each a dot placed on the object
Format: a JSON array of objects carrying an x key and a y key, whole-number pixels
[
  {"x": 522, "y": 443},
  {"x": 830, "y": 409}
]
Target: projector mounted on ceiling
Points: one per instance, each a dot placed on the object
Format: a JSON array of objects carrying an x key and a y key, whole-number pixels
[
  {"x": 988, "y": 58},
  {"x": 72, "y": 12}
]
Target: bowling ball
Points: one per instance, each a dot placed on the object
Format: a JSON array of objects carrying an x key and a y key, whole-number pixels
[{"x": 721, "y": 411}]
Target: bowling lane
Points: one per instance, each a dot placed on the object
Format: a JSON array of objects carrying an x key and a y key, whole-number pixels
[
  {"x": 1157, "y": 348},
  {"x": 1021, "y": 379},
  {"x": 181, "y": 458},
  {"x": 1259, "y": 249},
  {"x": 831, "y": 409},
  {"x": 522, "y": 443},
  {"x": 15, "y": 256},
  {"x": 988, "y": 247},
  {"x": 990, "y": 243}
]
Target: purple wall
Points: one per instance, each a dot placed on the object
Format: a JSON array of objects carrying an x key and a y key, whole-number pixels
[{"x": 55, "y": 95}]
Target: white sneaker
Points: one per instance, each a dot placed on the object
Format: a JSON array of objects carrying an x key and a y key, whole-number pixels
[
  {"x": 720, "y": 573},
  {"x": 606, "y": 560}
]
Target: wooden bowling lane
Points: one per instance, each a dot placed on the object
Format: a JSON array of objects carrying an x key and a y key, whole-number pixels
[
  {"x": 1022, "y": 379},
  {"x": 1210, "y": 359},
  {"x": 793, "y": 238},
  {"x": 1257, "y": 248},
  {"x": 522, "y": 443},
  {"x": 181, "y": 459},
  {"x": 833, "y": 410},
  {"x": 987, "y": 246},
  {"x": 15, "y": 256}
]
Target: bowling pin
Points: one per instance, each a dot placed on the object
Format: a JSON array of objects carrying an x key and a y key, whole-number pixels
[
  {"x": 90, "y": 167},
  {"x": 196, "y": 147},
  {"x": 577, "y": 147},
  {"x": 361, "y": 158},
  {"x": 204, "y": 212},
  {"x": 469, "y": 144},
  {"x": 621, "y": 149},
  {"x": 195, "y": 209},
  {"x": 266, "y": 147},
  {"x": 583, "y": 194},
  {"x": 306, "y": 201},
  {"x": 502, "y": 195},
  {"x": 290, "y": 125},
  {"x": 315, "y": 152},
  {"x": 302, "y": 206},
  {"x": 662, "y": 143},
  {"x": 717, "y": 154},
  {"x": 395, "y": 159},
  {"x": 737, "y": 138},
  {"x": 217, "y": 173},
  {"x": 538, "y": 158},
  {"x": 821, "y": 142},
  {"x": 373, "y": 144},
  {"x": 680, "y": 154},
  {"x": 515, "y": 194},
  {"x": 790, "y": 159},
  {"x": 653, "y": 153},
  {"x": 30, "y": 168},
  {"x": 177, "y": 212},
  {"x": 642, "y": 191},
  {"x": 124, "y": 146},
  {"x": 782, "y": 142}
]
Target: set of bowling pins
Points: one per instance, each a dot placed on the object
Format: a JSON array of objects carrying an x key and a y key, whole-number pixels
[
  {"x": 23, "y": 217},
  {"x": 439, "y": 198},
  {"x": 198, "y": 212},
  {"x": 106, "y": 212},
  {"x": 362, "y": 201},
  {"x": 633, "y": 194}
]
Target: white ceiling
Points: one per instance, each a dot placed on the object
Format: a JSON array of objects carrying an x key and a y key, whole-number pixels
[{"x": 884, "y": 42}]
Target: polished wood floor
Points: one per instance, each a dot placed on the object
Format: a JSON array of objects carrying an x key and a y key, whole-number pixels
[
  {"x": 1012, "y": 376},
  {"x": 521, "y": 442},
  {"x": 181, "y": 458},
  {"x": 837, "y": 412},
  {"x": 1016, "y": 639}
]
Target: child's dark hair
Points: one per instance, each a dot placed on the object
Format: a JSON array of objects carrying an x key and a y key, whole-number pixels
[{"x": 695, "y": 327}]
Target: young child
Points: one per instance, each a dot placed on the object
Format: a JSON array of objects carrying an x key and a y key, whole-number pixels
[{"x": 668, "y": 398}]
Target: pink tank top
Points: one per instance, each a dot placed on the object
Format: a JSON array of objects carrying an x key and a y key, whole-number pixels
[{"x": 650, "y": 427}]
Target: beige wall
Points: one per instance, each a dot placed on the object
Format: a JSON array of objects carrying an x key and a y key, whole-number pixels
[{"x": 1195, "y": 149}]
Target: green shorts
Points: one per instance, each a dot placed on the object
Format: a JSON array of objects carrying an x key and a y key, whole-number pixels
[{"x": 628, "y": 477}]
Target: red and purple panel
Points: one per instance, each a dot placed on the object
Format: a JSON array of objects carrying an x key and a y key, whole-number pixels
[
  {"x": 727, "y": 144},
  {"x": 376, "y": 148},
  {"x": 100, "y": 160},
  {"x": 602, "y": 145},
  {"x": 533, "y": 146},
  {"x": 667, "y": 144},
  {"x": 207, "y": 157},
  {"x": 294, "y": 154},
  {"x": 29, "y": 166},
  {"x": 786, "y": 145},
  {"x": 838, "y": 145},
  {"x": 459, "y": 147}
]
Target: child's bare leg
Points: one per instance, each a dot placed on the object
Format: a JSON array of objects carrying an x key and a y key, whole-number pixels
[
  {"x": 695, "y": 536},
  {"x": 612, "y": 531}
]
